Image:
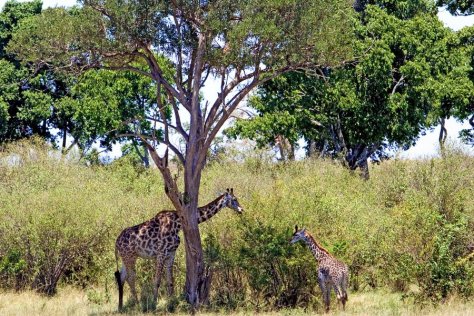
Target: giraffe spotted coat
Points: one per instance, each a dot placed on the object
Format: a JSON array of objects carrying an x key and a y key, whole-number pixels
[
  {"x": 332, "y": 273},
  {"x": 158, "y": 239}
]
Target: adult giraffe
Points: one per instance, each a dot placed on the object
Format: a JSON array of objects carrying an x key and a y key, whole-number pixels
[{"x": 158, "y": 238}]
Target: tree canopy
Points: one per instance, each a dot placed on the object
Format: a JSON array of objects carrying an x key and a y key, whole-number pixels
[
  {"x": 242, "y": 43},
  {"x": 96, "y": 106},
  {"x": 411, "y": 73}
]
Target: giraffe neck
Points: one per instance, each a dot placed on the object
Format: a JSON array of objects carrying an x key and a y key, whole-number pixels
[
  {"x": 211, "y": 209},
  {"x": 317, "y": 250}
]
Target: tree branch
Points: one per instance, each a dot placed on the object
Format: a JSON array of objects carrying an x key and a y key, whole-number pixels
[
  {"x": 398, "y": 84},
  {"x": 145, "y": 137},
  {"x": 179, "y": 126},
  {"x": 157, "y": 75}
]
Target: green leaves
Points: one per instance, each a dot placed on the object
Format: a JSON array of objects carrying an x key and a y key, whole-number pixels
[
  {"x": 37, "y": 106},
  {"x": 411, "y": 70},
  {"x": 277, "y": 32}
]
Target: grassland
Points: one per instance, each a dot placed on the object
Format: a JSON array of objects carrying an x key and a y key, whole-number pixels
[
  {"x": 70, "y": 301},
  {"x": 407, "y": 232}
]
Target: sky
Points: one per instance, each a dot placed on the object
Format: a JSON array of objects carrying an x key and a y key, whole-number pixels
[{"x": 426, "y": 146}]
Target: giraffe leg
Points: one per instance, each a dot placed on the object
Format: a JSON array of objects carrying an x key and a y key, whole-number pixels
[
  {"x": 120, "y": 278},
  {"x": 169, "y": 273},
  {"x": 129, "y": 275},
  {"x": 327, "y": 297},
  {"x": 339, "y": 295},
  {"x": 325, "y": 289},
  {"x": 158, "y": 272},
  {"x": 344, "y": 291},
  {"x": 344, "y": 300}
]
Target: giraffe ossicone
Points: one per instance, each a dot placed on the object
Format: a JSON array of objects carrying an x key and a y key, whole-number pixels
[
  {"x": 332, "y": 273},
  {"x": 158, "y": 239}
]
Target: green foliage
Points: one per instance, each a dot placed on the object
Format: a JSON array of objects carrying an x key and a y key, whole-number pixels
[
  {"x": 409, "y": 228},
  {"x": 55, "y": 225},
  {"x": 411, "y": 72},
  {"x": 11, "y": 267},
  {"x": 100, "y": 105},
  {"x": 445, "y": 273},
  {"x": 291, "y": 26},
  {"x": 403, "y": 9},
  {"x": 105, "y": 105},
  {"x": 279, "y": 274},
  {"x": 12, "y": 13}
]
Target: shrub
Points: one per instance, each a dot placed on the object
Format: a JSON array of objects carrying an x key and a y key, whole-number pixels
[{"x": 409, "y": 228}]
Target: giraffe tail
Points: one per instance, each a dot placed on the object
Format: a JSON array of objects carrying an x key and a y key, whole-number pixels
[
  {"x": 116, "y": 258},
  {"x": 119, "y": 282}
]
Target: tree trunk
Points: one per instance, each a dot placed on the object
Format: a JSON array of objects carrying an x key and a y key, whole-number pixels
[
  {"x": 194, "y": 255},
  {"x": 196, "y": 287},
  {"x": 146, "y": 158},
  {"x": 357, "y": 157},
  {"x": 64, "y": 136},
  {"x": 312, "y": 150},
  {"x": 186, "y": 204},
  {"x": 287, "y": 149},
  {"x": 291, "y": 151},
  {"x": 443, "y": 134}
]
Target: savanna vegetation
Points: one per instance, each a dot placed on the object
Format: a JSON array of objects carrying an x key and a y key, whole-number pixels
[
  {"x": 357, "y": 80},
  {"x": 407, "y": 230},
  {"x": 242, "y": 43}
]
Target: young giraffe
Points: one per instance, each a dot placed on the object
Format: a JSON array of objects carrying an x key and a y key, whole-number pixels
[
  {"x": 158, "y": 238},
  {"x": 332, "y": 273}
]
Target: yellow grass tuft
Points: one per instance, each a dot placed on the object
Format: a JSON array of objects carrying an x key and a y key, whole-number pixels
[{"x": 70, "y": 301}]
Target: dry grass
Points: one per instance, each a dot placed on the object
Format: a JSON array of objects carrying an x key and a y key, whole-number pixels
[{"x": 75, "y": 302}]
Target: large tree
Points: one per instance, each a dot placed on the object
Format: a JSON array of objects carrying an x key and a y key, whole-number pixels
[
  {"x": 61, "y": 106},
  {"x": 14, "y": 90},
  {"x": 242, "y": 43},
  {"x": 412, "y": 73},
  {"x": 466, "y": 110}
]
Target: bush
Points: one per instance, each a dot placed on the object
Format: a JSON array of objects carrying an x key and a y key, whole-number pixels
[
  {"x": 409, "y": 228},
  {"x": 58, "y": 218}
]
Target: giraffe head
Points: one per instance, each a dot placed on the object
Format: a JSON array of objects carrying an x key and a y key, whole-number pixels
[
  {"x": 298, "y": 235},
  {"x": 230, "y": 200}
]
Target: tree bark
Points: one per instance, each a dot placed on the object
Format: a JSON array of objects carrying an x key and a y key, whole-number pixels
[
  {"x": 192, "y": 237},
  {"x": 357, "y": 157},
  {"x": 443, "y": 134},
  {"x": 312, "y": 150},
  {"x": 286, "y": 148},
  {"x": 64, "y": 137}
]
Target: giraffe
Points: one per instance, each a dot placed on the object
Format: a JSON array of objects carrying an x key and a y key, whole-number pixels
[
  {"x": 158, "y": 239},
  {"x": 332, "y": 273}
]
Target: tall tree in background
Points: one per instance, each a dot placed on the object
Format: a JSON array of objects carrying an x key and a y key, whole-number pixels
[
  {"x": 243, "y": 43},
  {"x": 411, "y": 74},
  {"x": 55, "y": 106},
  {"x": 15, "y": 92},
  {"x": 466, "y": 43}
]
